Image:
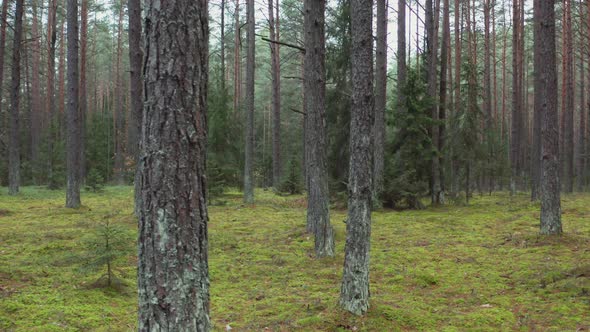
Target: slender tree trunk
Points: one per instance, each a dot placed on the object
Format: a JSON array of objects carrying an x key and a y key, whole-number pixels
[
  {"x": 516, "y": 88},
  {"x": 173, "y": 273},
  {"x": 581, "y": 148},
  {"x": 380, "y": 101},
  {"x": 354, "y": 293},
  {"x": 276, "y": 100},
  {"x": 50, "y": 117},
  {"x": 546, "y": 98},
  {"x": 318, "y": 211},
  {"x": 402, "y": 71},
  {"x": 3, "y": 24},
  {"x": 222, "y": 46},
  {"x": 536, "y": 156},
  {"x": 237, "y": 60},
  {"x": 14, "y": 147},
  {"x": 119, "y": 109},
  {"x": 36, "y": 108},
  {"x": 444, "y": 70},
  {"x": 135, "y": 89},
  {"x": 83, "y": 85},
  {"x": 73, "y": 116},
  {"x": 568, "y": 112},
  {"x": 458, "y": 99},
  {"x": 249, "y": 137},
  {"x": 437, "y": 196}
]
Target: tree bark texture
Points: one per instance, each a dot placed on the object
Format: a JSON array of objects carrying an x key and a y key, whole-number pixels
[
  {"x": 516, "y": 88},
  {"x": 568, "y": 111},
  {"x": 135, "y": 88},
  {"x": 354, "y": 293},
  {"x": 73, "y": 116},
  {"x": 173, "y": 273},
  {"x": 444, "y": 71},
  {"x": 119, "y": 108},
  {"x": 249, "y": 132},
  {"x": 276, "y": 99},
  {"x": 546, "y": 99},
  {"x": 380, "y": 100},
  {"x": 14, "y": 148},
  {"x": 318, "y": 210},
  {"x": 402, "y": 72},
  {"x": 36, "y": 108}
]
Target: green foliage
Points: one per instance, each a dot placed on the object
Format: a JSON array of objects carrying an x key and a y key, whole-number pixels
[
  {"x": 94, "y": 181},
  {"x": 292, "y": 184},
  {"x": 99, "y": 144},
  {"x": 407, "y": 166},
  {"x": 105, "y": 247}
]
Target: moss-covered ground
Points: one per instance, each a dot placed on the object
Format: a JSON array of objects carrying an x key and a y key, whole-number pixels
[{"x": 480, "y": 267}]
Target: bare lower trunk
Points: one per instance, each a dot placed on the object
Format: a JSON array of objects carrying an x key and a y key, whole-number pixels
[
  {"x": 173, "y": 272},
  {"x": 14, "y": 147},
  {"x": 380, "y": 100},
  {"x": 318, "y": 211},
  {"x": 354, "y": 293},
  {"x": 276, "y": 100},
  {"x": 73, "y": 116},
  {"x": 249, "y": 137}
]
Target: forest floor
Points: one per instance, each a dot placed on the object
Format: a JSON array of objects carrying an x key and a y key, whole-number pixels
[{"x": 454, "y": 268}]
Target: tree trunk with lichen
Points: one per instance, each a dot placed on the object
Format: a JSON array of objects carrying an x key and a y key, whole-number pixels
[
  {"x": 173, "y": 272},
  {"x": 354, "y": 293}
]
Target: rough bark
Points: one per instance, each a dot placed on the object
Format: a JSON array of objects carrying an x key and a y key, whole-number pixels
[
  {"x": 50, "y": 116},
  {"x": 402, "y": 71},
  {"x": 14, "y": 147},
  {"x": 318, "y": 209},
  {"x": 380, "y": 100},
  {"x": 354, "y": 293},
  {"x": 135, "y": 88},
  {"x": 173, "y": 273},
  {"x": 276, "y": 100},
  {"x": 73, "y": 116},
  {"x": 546, "y": 98},
  {"x": 249, "y": 132}
]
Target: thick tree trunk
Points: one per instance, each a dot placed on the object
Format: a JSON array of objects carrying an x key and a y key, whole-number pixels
[
  {"x": 135, "y": 88},
  {"x": 318, "y": 210},
  {"x": 276, "y": 100},
  {"x": 14, "y": 147},
  {"x": 173, "y": 273},
  {"x": 380, "y": 100},
  {"x": 73, "y": 116},
  {"x": 546, "y": 98},
  {"x": 249, "y": 133},
  {"x": 354, "y": 293}
]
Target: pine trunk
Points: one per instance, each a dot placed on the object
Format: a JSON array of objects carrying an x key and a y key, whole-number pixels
[
  {"x": 173, "y": 272},
  {"x": 568, "y": 111},
  {"x": 14, "y": 147},
  {"x": 380, "y": 101},
  {"x": 83, "y": 85},
  {"x": 135, "y": 88},
  {"x": 546, "y": 98},
  {"x": 249, "y": 137},
  {"x": 36, "y": 108},
  {"x": 119, "y": 109},
  {"x": 354, "y": 293},
  {"x": 276, "y": 100},
  {"x": 73, "y": 116}
]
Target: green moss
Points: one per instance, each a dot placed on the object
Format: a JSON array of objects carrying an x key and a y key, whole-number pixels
[{"x": 477, "y": 267}]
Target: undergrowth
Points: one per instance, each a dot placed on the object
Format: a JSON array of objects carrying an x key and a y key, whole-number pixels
[{"x": 453, "y": 268}]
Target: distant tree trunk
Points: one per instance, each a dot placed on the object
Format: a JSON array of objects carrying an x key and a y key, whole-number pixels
[
  {"x": 83, "y": 84},
  {"x": 119, "y": 109},
  {"x": 14, "y": 147},
  {"x": 444, "y": 69},
  {"x": 380, "y": 100},
  {"x": 546, "y": 98},
  {"x": 458, "y": 99},
  {"x": 318, "y": 211},
  {"x": 536, "y": 153},
  {"x": 249, "y": 139},
  {"x": 516, "y": 88},
  {"x": 61, "y": 77},
  {"x": 437, "y": 196},
  {"x": 135, "y": 88},
  {"x": 276, "y": 100},
  {"x": 36, "y": 108},
  {"x": 581, "y": 148},
  {"x": 3, "y": 24},
  {"x": 221, "y": 46},
  {"x": 568, "y": 111},
  {"x": 173, "y": 273},
  {"x": 73, "y": 116},
  {"x": 237, "y": 60},
  {"x": 354, "y": 293},
  {"x": 51, "y": 114},
  {"x": 402, "y": 71}
]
